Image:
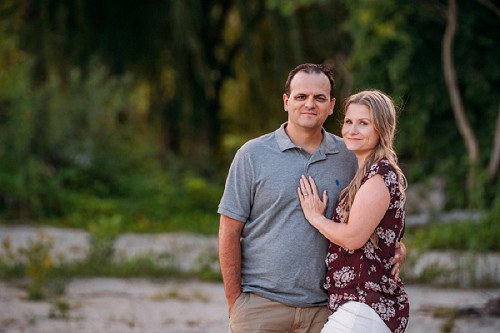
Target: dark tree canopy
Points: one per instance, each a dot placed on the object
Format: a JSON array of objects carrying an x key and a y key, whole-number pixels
[{"x": 191, "y": 80}]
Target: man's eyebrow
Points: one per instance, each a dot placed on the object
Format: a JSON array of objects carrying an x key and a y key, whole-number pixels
[{"x": 315, "y": 95}]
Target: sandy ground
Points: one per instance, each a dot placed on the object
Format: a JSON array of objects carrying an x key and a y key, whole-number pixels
[
  {"x": 106, "y": 305},
  {"x": 144, "y": 306},
  {"x": 121, "y": 306}
]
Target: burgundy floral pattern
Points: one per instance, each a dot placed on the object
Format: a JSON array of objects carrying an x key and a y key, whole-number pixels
[{"x": 364, "y": 275}]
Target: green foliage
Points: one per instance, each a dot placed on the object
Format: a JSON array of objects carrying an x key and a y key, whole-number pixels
[
  {"x": 102, "y": 236},
  {"x": 170, "y": 200},
  {"x": 434, "y": 272},
  {"x": 59, "y": 309},
  {"x": 397, "y": 48},
  {"x": 48, "y": 277},
  {"x": 378, "y": 39},
  {"x": 34, "y": 261},
  {"x": 152, "y": 202},
  {"x": 38, "y": 261},
  {"x": 101, "y": 118},
  {"x": 151, "y": 265},
  {"x": 287, "y": 7},
  {"x": 75, "y": 151},
  {"x": 59, "y": 137},
  {"x": 10, "y": 263},
  {"x": 480, "y": 236}
]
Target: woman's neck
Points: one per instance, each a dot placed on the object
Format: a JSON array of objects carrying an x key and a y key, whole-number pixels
[{"x": 361, "y": 158}]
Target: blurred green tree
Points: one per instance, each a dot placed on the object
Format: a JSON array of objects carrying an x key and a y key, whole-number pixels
[
  {"x": 398, "y": 47},
  {"x": 185, "y": 82}
]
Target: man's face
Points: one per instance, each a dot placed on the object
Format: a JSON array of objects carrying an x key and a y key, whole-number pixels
[{"x": 309, "y": 103}]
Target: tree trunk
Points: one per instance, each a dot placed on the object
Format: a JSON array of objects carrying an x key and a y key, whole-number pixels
[
  {"x": 454, "y": 93},
  {"x": 495, "y": 153}
]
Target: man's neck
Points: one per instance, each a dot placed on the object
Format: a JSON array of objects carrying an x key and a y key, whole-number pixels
[{"x": 307, "y": 140}]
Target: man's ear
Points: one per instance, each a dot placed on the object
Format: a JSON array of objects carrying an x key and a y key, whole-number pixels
[
  {"x": 332, "y": 105},
  {"x": 285, "y": 102}
]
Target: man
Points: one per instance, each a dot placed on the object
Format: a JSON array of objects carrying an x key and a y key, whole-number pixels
[{"x": 272, "y": 260}]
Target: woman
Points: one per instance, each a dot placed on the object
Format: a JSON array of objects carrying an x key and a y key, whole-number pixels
[{"x": 368, "y": 222}]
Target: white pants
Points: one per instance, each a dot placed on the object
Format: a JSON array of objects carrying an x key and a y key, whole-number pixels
[{"x": 355, "y": 317}]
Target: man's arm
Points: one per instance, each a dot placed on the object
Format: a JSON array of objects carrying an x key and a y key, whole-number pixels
[
  {"x": 230, "y": 257},
  {"x": 398, "y": 259}
]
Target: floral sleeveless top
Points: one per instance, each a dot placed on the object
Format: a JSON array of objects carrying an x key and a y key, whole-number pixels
[{"x": 364, "y": 275}]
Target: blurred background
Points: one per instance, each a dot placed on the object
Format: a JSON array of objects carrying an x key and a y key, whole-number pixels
[
  {"x": 119, "y": 119},
  {"x": 123, "y": 116}
]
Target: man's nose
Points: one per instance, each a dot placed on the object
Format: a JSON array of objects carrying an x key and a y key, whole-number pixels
[{"x": 310, "y": 102}]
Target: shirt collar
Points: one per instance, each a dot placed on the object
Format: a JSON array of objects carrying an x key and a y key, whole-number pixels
[{"x": 328, "y": 144}]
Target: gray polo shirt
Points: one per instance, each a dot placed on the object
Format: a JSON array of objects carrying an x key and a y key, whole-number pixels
[{"x": 282, "y": 254}]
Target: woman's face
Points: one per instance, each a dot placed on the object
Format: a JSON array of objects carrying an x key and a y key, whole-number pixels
[{"x": 358, "y": 130}]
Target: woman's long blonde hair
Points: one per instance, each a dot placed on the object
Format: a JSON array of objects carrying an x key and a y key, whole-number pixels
[{"x": 383, "y": 115}]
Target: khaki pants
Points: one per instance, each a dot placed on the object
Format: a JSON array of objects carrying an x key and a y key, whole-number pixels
[{"x": 252, "y": 313}]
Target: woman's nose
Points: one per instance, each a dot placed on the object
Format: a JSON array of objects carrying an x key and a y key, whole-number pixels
[{"x": 353, "y": 129}]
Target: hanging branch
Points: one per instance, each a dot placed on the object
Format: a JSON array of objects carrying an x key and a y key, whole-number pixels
[
  {"x": 495, "y": 153},
  {"x": 454, "y": 93}
]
